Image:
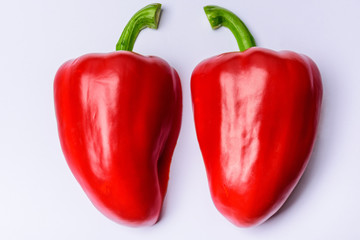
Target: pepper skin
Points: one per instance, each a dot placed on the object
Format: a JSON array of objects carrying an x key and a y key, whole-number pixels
[
  {"x": 256, "y": 115},
  {"x": 119, "y": 116}
]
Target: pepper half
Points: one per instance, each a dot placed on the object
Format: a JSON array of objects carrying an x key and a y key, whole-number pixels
[
  {"x": 256, "y": 116},
  {"x": 119, "y": 117}
]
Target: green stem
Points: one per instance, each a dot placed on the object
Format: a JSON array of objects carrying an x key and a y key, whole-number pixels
[
  {"x": 222, "y": 17},
  {"x": 148, "y": 16}
]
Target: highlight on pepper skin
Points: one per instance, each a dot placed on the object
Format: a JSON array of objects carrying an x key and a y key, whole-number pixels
[{"x": 256, "y": 114}]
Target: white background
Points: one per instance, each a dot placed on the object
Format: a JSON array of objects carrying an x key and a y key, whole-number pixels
[{"x": 39, "y": 197}]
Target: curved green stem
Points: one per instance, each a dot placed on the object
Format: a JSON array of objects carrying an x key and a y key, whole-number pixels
[
  {"x": 218, "y": 17},
  {"x": 148, "y": 16}
]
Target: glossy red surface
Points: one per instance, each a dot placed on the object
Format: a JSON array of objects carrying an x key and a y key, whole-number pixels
[
  {"x": 256, "y": 115},
  {"x": 119, "y": 117}
]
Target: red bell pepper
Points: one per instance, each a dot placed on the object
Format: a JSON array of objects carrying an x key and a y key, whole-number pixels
[
  {"x": 119, "y": 117},
  {"x": 256, "y": 115}
]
